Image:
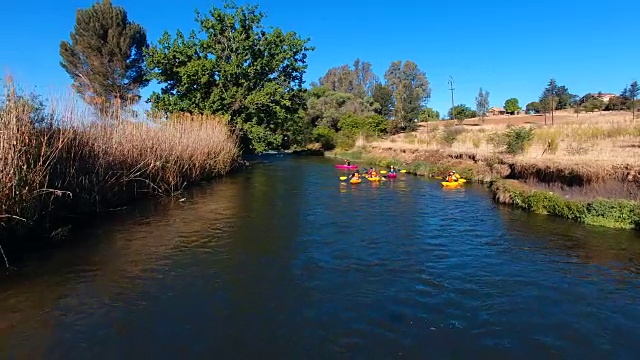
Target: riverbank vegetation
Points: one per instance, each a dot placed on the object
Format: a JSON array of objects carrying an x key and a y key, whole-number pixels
[
  {"x": 614, "y": 213},
  {"x": 59, "y": 161}
]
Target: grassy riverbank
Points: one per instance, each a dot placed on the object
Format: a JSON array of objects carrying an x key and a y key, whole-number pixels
[
  {"x": 586, "y": 169},
  {"x": 62, "y": 161}
]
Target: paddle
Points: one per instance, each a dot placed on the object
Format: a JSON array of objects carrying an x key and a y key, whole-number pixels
[{"x": 343, "y": 178}]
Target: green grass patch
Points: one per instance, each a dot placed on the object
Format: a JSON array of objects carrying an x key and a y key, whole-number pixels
[{"x": 621, "y": 214}]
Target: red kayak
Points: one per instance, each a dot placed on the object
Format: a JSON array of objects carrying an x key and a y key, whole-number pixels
[
  {"x": 347, "y": 166},
  {"x": 391, "y": 176}
]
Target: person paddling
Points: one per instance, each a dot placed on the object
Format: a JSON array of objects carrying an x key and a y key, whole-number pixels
[
  {"x": 392, "y": 170},
  {"x": 347, "y": 162},
  {"x": 355, "y": 175}
]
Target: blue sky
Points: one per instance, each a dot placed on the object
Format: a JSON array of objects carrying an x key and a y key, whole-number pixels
[{"x": 510, "y": 48}]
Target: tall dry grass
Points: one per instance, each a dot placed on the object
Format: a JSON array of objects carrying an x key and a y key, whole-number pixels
[
  {"x": 61, "y": 161},
  {"x": 607, "y": 138}
]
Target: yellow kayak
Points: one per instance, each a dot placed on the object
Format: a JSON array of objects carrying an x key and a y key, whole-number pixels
[
  {"x": 355, "y": 181},
  {"x": 452, "y": 183},
  {"x": 377, "y": 178}
]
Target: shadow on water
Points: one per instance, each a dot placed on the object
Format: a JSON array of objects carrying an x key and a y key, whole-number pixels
[
  {"x": 286, "y": 261},
  {"x": 612, "y": 249}
]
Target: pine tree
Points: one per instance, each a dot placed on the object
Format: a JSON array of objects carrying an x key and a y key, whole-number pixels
[{"x": 105, "y": 57}]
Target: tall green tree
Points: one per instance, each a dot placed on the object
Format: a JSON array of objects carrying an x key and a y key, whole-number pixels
[
  {"x": 482, "y": 103},
  {"x": 429, "y": 114},
  {"x": 105, "y": 58},
  {"x": 410, "y": 90},
  {"x": 236, "y": 67},
  {"x": 631, "y": 93},
  {"x": 358, "y": 80},
  {"x": 556, "y": 97},
  {"x": 512, "y": 106},
  {"x": 461, "y": 112},
  {"x": 383, "y": 96},
  {"x": 326, "y": 107},
  {"x": 533, "y": 107}
]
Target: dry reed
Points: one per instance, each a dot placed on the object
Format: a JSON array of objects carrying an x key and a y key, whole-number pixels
[{"x": 61, "y": 161}]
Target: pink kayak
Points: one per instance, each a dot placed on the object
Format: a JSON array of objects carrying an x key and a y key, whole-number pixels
[
  {"x": 347, "y": 166},
  {"x": 391, "y": 176}
]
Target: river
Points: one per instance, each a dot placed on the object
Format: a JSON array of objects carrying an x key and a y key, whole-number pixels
[{"x": 283, "y": 261}]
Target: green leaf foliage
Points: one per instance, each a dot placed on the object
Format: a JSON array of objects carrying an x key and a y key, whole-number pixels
[
  {"x": 512, "y": 106},
  {"x": 429, "y": 114},
  {"x": 326, "y": 107},
  {"x": 482, "y": 103},
  {"x": 235, "y": 66},
  {"x": 374, "y": 124},
  {"x": 410, "y": 90},
  {"x": 325, "y": 136},
  {"x": 461, "y": 112},
  {"x": 105, "y": 58}
]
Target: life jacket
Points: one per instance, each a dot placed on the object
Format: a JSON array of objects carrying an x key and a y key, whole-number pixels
[
  {"x": 356, "y": 176},
  {"x": 374, "y": 174}
]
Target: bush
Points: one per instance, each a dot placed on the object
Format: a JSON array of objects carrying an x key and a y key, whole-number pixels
[
  {"x": 476, "y": 141},
  {"x": 450, "y": 135},
  {"x": 345, "y": 140},
  {"x": 375, "y": 125},
  {"x": 517, "y": 139},
  {"x": 325, "y": 136}
]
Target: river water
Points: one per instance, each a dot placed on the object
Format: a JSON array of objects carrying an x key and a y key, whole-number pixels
[{"x": 283, "y": 261}]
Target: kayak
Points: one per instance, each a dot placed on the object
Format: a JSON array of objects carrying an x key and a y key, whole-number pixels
[
  {"x": 377, "y": 178},
  {"x": 391, "y": 176},
  {"x": 451, "y": 183},
  {"x": 339, "y": 166},
  {"x": 355, "y": 181}
]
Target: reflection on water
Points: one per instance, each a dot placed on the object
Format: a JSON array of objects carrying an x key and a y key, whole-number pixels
[{"x": 286, "y": 261}]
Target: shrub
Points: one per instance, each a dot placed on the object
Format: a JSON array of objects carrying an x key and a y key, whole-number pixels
[
  {"x": 476, "y": 141},
  {"x": 517, "y": 139},
  {"x": 374, "y": 124},
  {"x": 325, "y": 136},
  {"x": 345, "y": 140},
  {"x": 450, "y": 135}
]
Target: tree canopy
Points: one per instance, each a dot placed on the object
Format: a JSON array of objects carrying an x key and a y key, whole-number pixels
[
  {"x": 482, "y": 104},
  {"x": 358, "y": 80},
  {"x": 461, "y": 112},
  {"x": 556, "y": 97},
  {"x": 429, "y": 114},
  {"x": 410, "y": 89},
  {"x": 512, "y": 106},
  {"x": 236, "y": 67},
  {"x": 105, "y": 58}
]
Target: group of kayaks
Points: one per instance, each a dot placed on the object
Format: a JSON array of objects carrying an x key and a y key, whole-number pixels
[
  {"x": 455, "y": 181},
  {"x": 365, "y": 175}
]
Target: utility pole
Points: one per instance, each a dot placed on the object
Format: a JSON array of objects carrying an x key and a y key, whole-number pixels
[
  {"x": 451, "y": 88},
  {"x": 553, "y": 93}
]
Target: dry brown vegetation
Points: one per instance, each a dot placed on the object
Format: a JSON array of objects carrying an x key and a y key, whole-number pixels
[
  {"x": 592, "y": 149},
  {"x": 607, "y": 138},
  {"x": 58, "y": 162}
]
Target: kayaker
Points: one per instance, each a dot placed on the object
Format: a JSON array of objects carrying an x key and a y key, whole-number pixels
[
  {"x": 455, "y": 175},
  {"x": 355, "y": 175},
  {"x": 451, "y": 177},
  {"x": 347, "y": 162},
  {"x": 392, "y": 170},
  {"x": 374, "y": 173}
]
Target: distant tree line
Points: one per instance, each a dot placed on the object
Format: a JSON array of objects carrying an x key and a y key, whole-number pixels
[{"x": 231, "y": 64}]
